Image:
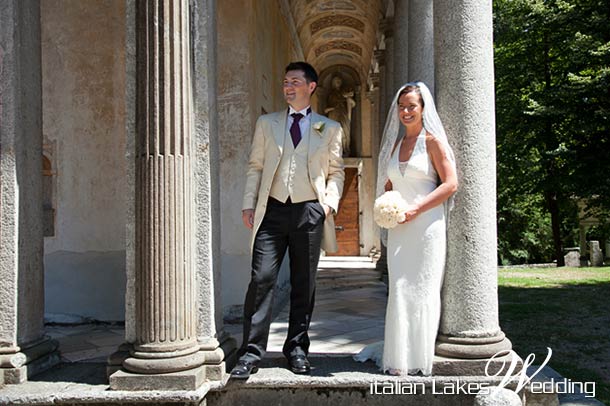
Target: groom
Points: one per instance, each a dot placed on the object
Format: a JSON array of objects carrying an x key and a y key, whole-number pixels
[{"x": 293, "y": 184}]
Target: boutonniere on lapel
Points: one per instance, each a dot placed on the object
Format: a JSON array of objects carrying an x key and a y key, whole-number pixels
[{"x": 319, "y": 127}]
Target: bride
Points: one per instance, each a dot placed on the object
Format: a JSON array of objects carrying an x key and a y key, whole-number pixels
[{"x": 421, "y": 166}]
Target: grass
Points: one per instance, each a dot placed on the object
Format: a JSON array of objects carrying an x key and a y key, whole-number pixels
[{"x": 566, "y": 309}]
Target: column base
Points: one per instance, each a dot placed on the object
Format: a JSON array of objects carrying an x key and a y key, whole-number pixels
[
  {"x": 17, "y": 367},
  {"x": 472, "y": 347},
  {"x": 218, "y": 353},
  {"x": 115, "y": 360},
  {"x": 444, "y": 366},
  {"x": 183, "y": 380},
  {"x": 165, "y": 365}
]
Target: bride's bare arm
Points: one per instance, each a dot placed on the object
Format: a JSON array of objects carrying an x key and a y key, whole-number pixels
[{"x": 388, "y": 186}]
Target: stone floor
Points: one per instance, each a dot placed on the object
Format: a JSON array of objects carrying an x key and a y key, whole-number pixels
[
  {"x": 349, "y": 314},
  {"x": 87, "y": 342},
  {"x": 349, "y": 310}
]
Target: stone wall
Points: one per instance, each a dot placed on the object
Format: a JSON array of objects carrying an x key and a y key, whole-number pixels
[
  {"x": 253, "y": 49},
  {"x": 83, "y": 79}
]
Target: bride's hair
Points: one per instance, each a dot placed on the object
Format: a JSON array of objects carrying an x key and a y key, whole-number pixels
[{"x": 409, "y": 89}]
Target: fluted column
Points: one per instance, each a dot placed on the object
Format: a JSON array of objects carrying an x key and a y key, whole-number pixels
[
  {"x": 421, "y": 42},
  {"x": 24, "y": 349},
  {"x": 388, "y": 80},
  {"x": 465, "y": 98},
  {"x": 386, "y": 94},
  {"x": 165, "y": 283},
  {"x": 401, "y": 43}
]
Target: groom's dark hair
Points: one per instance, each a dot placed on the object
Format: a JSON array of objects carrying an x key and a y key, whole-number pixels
[{"x": 308, "y": 71}]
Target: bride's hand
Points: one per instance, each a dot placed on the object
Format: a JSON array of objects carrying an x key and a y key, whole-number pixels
[
  {"x": 388, "y": 186},
  {"x": 410, "y": 214}
]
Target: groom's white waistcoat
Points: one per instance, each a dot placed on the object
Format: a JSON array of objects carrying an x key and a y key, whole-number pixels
[{"x": 324, "y": 167}]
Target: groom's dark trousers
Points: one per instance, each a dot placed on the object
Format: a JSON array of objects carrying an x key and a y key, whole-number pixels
[{"x": 296, "y": 227}]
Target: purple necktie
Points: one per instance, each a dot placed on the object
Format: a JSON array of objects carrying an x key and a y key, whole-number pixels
[{"x": 295, "y": 130}]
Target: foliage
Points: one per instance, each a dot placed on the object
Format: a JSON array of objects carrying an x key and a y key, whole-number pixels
[{"x": 553, "y": 121}]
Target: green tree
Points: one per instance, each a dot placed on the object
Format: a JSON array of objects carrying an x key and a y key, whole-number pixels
[{"x": 553, "y": 110}]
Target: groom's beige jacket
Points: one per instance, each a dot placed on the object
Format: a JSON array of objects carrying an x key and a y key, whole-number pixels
[{"x": 325, "y": 167}]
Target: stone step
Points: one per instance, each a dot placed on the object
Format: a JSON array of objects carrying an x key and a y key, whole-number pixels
[
  {"x": 347, "y": 263},
  {"x": 338, "y": 280},
  {"x": 340, "y": 381},
  {"x": 325, "y": 274},
  {"x": 355, "y": 279},
  {"x": 346, "y": 286},
  {"x": 335, "y": 380}
]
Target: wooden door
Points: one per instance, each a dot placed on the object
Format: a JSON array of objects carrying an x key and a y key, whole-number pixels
[{"x": 348, "y": 217}]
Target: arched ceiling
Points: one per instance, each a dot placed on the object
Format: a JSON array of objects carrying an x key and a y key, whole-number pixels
[{"x": 338, "y": 32}]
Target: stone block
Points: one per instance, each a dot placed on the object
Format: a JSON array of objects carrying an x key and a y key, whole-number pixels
[
  {"x": 572, "y": 257},
  {"x": 183, "y": 380},
  {"x": 470, "y": 367},
  {"x": 498, "y": 397},
  {"x": 595, "y": 254},
  {"x": 32, "y": 361},
  {"x": 12, "y": 376},
  {"x": 215, "y": 372}
]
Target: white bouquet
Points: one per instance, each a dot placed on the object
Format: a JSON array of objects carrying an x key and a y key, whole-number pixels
[{"x": 389, "y": 209}]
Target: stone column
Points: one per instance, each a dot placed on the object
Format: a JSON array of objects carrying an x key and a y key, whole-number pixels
[
  {"x": 421, "y": 42},
  {"x": 465, "y": 99},
  {"x": 165, "y": 354},
  {"x": 387, "y": 90},
  {"x": 401, "y": 44},
  {"x": 24, "y": 350},
  {"x": 373, "y": 97},
  {"x": 215, "y": 343},
  {"x": 388, "y": 81}
]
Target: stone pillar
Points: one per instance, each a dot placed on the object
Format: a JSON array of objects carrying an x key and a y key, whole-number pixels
[
  {"x": 215, "y": 343},
  {"x": 24, "y": 350},
  {"x": 421, "y": 42},
  {"x": 387, "y": 91},
  {"x": 595, "y": 254},
  {"x": 382, "y": 92},
  {"x": 378, "y": 79},
  {"x": 373, "y": 97},
  {"x": 388, "y": 82},
  {"x": 165, "y": 355},
  {"x": 582, "y": 243},
  {"x": 401, "y": 43},
  {"x": 465, "y": 98}
]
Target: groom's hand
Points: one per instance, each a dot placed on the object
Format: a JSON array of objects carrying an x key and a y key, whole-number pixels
[
  {"x": 247, "y": 216},
  {"x": 327, "y": 210}
]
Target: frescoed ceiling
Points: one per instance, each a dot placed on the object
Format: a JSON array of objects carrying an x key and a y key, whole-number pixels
[{"x": 338, "y": 32}]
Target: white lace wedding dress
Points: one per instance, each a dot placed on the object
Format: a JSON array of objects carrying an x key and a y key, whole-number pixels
[{"x": 416, "y": 261}]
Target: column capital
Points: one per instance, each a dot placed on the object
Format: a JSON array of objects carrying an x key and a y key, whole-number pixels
[
  {"x": 372, "y": 95},
  {"x": 374, "y": 80},
  {"x": 386, "y": 26},
  {"x": 379, "y": 55}
]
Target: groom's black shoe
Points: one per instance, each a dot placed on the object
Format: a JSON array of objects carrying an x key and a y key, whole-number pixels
[
  {"x": 243, "y": 369},
  {"x": 299, "y": 364}
]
